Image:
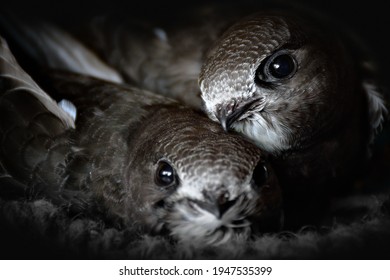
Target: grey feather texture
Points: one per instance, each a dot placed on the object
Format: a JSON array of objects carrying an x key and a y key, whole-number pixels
[{"x": 137, "y": 159}]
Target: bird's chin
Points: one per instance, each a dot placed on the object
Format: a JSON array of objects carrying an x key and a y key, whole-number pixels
[
  {"x": 191, "y": 223},
  {"x": 198, "y": 236},
  {"x": 271, "y": 138},
  {"x": 203, "y": 228}
]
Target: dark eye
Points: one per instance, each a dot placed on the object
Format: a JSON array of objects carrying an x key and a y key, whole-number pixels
[
  {"x": 281, "y": 65},
  {"x": 260, "y": 175},
  {"x": 165, "y": 174}
]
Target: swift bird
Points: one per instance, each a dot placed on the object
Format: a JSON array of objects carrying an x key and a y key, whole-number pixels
[
  {"x": 291, "y": 85},
  {"x": 273, "y": 77},
  {"x": 297, "y": 91},
  {"x": 133, "y": 157}
]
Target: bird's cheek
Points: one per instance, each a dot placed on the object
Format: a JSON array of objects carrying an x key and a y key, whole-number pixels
[{"x": 211, "y": 112}]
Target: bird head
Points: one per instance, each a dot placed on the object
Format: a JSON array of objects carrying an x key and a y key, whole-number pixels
[
  {"x": 198, "y": 183},
  {"x": 274, "y": 78}
]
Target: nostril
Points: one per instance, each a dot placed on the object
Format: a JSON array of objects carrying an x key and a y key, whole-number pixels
[
  {"x": 230, "y": 107},
  {"x": 217, "y": 205},
  {"x": 223, "y": 198},
  {"x": 224, "y": 207}
]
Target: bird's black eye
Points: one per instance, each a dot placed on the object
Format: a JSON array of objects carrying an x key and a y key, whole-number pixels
[
  {"x": 260, "y": 175},
  {"x": 165, "y": 174},
  {"x": 281, "y": 65}
]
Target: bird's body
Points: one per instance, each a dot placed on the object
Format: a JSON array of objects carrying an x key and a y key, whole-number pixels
[{"x": 137, "y": 159}]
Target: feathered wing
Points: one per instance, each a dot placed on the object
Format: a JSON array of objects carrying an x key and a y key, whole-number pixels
[
  {"x": 50, "y": 47},
  {"x": 20, "y": 81},
  {"x": 160, "y": 58},
  {"x": 33, "y": 129}
]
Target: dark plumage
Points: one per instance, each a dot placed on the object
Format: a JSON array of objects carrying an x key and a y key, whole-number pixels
[{"x": 132, "y": 157}]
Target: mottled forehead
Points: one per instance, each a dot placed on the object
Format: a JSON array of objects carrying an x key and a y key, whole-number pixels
[
  {"x": 231, "y": 65},
  {"x": 197, "y": 146},
  {"x": 220, "y": 155}
]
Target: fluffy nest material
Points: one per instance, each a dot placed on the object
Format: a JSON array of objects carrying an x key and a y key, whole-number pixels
[
  {"x": 40, "y": 230},
  {"x": 357, "y": 227}
]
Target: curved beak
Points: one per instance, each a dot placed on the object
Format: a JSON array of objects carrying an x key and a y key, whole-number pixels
[
  {"x": 228, "y": 117},
  {"x": 218, "y": 207}
]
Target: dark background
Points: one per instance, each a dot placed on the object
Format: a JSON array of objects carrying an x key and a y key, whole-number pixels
[{"x": 369, "y": 19}]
